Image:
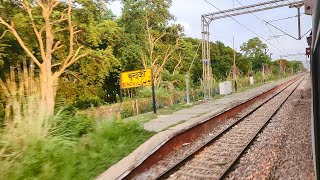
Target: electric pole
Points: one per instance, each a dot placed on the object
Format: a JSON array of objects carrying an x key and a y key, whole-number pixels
[
  {"x": 234, "y": 68},
  {"x": 207, "y": 19}
]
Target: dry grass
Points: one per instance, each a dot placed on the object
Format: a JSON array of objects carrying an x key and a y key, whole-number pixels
[{"x": 24, "y": 117}]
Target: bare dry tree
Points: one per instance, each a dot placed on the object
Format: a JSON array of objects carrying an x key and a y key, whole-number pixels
[
  {"x": 234, "y": 72},
  {"x": 157, "y": 61},
  {"x": 48, "y": 45}
]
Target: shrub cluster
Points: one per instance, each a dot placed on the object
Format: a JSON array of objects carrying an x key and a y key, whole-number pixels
[{"x": 75, "y": 148}]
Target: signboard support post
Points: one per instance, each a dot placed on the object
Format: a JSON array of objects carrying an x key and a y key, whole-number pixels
[
  {"x": 121, "y": 95},
  {"x": 153, "y": 96}
]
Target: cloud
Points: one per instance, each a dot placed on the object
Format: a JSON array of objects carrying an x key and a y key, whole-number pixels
[{"x": 116, "y": 8}]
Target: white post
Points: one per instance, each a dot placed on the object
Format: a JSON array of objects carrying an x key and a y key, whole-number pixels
[{"x": 187, "y": 89}]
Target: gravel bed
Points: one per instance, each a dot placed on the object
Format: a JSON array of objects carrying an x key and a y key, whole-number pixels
[
  {"x": 214, "y": 159},
  {"x": 176, "y": 156},
  {"x": 283, "y": 150}
]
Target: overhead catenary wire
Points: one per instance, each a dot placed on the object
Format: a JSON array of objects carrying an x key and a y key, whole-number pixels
[
  {"x": 229, "y": 40},
  {"x": 290, "y": 17},
  {"x": 245, "y": 27},
  {"x": 261, "y": 21},
  {"x": 287, "y": 33}
]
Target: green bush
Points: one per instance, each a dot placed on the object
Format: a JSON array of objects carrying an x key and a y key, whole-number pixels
[
  {"x": 58, "y": 157},
  {"x": 126, "y": 113},
  {"x": 145, "y": 92},
  {"x": 72, "y": 125},
  {"x": 177, "y": 79},
  {"x": 87, "y": 102},
  {"x": 107, "y": 145},
  {"x": 146, "y": 108},
  {"x": 49, "y": 159}
]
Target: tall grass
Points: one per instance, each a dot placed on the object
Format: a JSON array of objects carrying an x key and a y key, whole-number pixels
[
  {"x": 24, "y": 122},
  {"x": 67, "y": 146},
  {"x": 75, "y": 158}
]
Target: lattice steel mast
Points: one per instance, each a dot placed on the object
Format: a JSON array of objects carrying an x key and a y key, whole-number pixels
[{"x": 206, "y": 19}]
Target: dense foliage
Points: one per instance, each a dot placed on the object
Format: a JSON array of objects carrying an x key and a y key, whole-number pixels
[
  {"x": 82, "y": 158},
  {"x": 141, "y": 37}
]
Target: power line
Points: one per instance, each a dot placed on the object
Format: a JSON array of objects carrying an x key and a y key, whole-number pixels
[
  {"x": 283, "y": 18},
  {"x": 262, "y": 21},
  {"x": 245, "y": 26},
  {"x": 230, "y": 41},
  {"x": 288, "y": 33}
]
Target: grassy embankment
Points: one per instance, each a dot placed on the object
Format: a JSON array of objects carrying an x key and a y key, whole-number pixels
[{"x": 75, "y": 148}]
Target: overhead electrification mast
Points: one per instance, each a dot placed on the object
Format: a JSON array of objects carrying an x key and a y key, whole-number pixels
[{"x": 206, "y": 19}]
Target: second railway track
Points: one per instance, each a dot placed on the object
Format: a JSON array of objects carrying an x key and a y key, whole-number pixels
[{"x": 215, "y": 159}]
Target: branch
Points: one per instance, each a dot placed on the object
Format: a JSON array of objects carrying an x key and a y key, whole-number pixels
[
  {"x": 65, "y": 66},
  {"x": 53, "y": 6},
  {"x": 60, "y": 30},
  {"x": 150, "y": 48},
  {"x": 157, "y": 58},
  {"x": 77, "y": 58},
  {"x": 161, "y": 36},
  {"x": 71, "y": 34},
  {"x": 62, "y": 17},
  {"x": 41, "y": 30},
  {"x": 41, "y": 4},
  {"x": 59, "y": 21},
  {"x": 3, "y": 34},
  {"x": 144, "y": 60},
  {"x": 56, "y": 64},
  {"x": 56, "y": 46},
  {"x": 167, "y": 55},
  {"x": 24, "y": 47},
  {"x": 76, "y": 32},
  {"x": 35, "y": 29},
  {"x": 180, "y": 60},
  {"x": 72, "y": 57}
]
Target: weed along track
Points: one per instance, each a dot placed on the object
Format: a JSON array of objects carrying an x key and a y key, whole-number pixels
[{"x": 215, "y": 159}]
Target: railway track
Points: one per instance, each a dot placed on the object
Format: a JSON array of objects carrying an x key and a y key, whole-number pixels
[{"x": 216, "y": 158}]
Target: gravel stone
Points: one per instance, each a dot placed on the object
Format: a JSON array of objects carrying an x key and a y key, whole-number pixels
[
  {"x": 174, "y": 157},
  {"x": 283, "y": 150}
]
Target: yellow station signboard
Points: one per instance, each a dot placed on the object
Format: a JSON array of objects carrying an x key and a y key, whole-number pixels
[{"x": 136, "y": 78}]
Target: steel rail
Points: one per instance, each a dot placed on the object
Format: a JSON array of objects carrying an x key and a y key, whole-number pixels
[
  {"x": 229, "y": 168},
  {"x": 182, "y": 162}
]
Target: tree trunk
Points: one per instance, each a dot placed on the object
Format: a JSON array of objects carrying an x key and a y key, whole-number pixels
[
  {"x": 49, "y": 18},
  {"x": 48, "y": 93}
]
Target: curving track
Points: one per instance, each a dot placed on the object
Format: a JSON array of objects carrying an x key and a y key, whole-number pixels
[{"x": 215, "y": 159}]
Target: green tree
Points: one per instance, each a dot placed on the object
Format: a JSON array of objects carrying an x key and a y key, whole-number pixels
[
  {"x": 58, "y": 36},
  {"x": 150, "y": 40},
  {"x": 196, "y": 62},
  {"x": 84, "y": 82},
  {"x": 47, "y": 19},
  {"x": 222, "y": 60},
  {"x": 254, "y": 50}
]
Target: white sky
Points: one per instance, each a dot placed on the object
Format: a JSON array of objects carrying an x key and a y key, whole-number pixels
[{"x": 188, "y": 13}]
